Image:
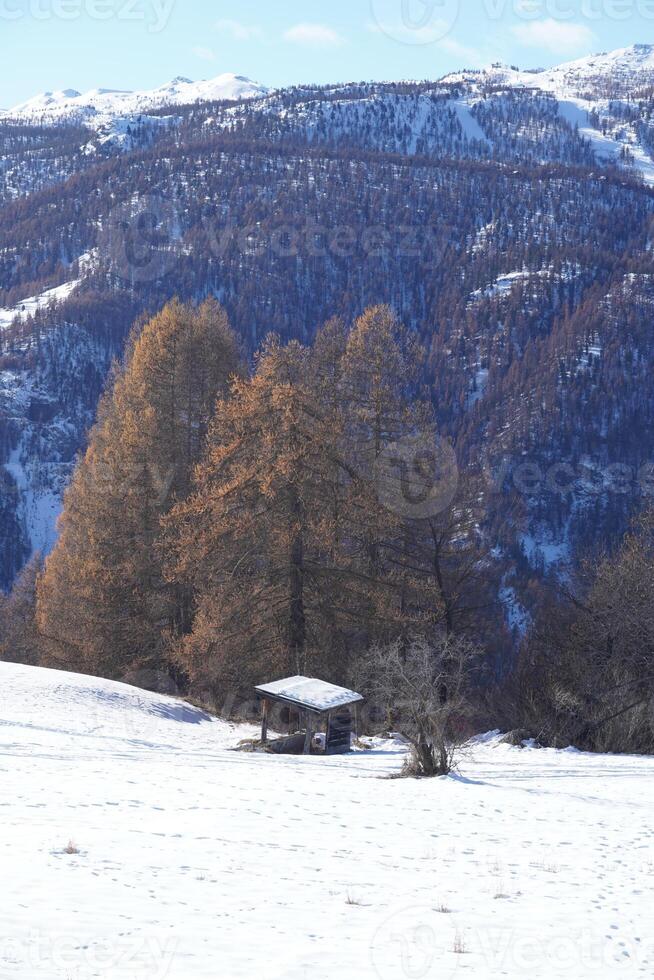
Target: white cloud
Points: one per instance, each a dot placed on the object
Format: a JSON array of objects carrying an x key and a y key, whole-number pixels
[
  {"x": 206, "y": 54},
  {"x": 397, "y": 30},
  {"x": 314, "y": 34},
  {"x": 470, "y": 56},
  {"x": 556, "y": 36},
  {"x": 436, "y": 34},
  {"x": 239, "y": 31}
]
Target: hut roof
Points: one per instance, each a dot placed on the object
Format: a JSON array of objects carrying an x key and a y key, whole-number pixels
[{"x": 309, "y": 693}]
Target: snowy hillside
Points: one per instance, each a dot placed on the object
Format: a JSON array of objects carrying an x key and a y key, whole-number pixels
[
  {"x": 187, "y": 860},
  {"x": 31, "y": 304},
  {"x": 605, "y": 96},
  {"x": 43, "y": 438},
  {"x": 592, "y": 111},
  {"x": 101, "y": 107},
  {"x": 630, "y": 69}
]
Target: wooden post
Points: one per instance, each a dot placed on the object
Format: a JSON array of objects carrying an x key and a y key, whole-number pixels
[
  {"x": 309, "y": 735},
  {"x": 264, "y": 722}
]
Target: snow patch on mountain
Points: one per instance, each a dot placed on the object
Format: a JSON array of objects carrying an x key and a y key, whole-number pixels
[
  {"x": 577, "y": 113},
  {"x": 39, "y": 500},
  {"x": 28, "y": 307},
  {"x": 471, "y": 128},
  {"x": 504, "y": 283},
  {"x": 43, "y": 426}
]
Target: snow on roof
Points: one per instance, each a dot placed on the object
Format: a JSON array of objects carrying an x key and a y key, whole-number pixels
[{"x": 310, "y": 693}]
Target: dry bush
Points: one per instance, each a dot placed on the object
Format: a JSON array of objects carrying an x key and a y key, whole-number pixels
[{"x": 424, "y": 687}]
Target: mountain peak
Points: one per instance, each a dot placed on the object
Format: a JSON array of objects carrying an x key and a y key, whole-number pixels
[
  {"x": 622, "y": 70},
  {"x": 101, "y": 106}
]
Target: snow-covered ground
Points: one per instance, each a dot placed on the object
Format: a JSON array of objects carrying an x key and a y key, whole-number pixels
[
  {"x": 196, "y": 861},
  {"x": 577, "y": 113},
  {"x": 471, "y": 128},
  {"x": 28, "y": 307}
]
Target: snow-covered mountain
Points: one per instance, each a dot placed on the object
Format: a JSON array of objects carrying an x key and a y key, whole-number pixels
[
  {"x": 513, "y": 188},
  {"x": 100, "y": 107},
  {"x": 630, "y": 69},
  {"x": 606, "y": 97}
]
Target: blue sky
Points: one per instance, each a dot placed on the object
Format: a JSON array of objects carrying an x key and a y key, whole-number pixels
[{"x": 83, "y": 44}]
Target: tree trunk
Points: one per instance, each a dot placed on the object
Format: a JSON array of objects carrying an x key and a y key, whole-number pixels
[
  {"x": 297, "y": 616},
  {"x": 438, "y": 574}
]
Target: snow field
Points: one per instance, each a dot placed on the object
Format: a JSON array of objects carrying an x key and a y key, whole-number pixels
[{"x": 189, "y": 860}]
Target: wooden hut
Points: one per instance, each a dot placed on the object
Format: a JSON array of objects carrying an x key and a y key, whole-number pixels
[{"x": 320, "y": 707}]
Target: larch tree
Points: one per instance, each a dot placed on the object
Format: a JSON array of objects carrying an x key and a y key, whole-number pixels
[
  {"x": 261, "y": 539},
  {"x": 103, "y": 603},
  {"x": 19, "y": 639},
  {"x": 389, "y": 422}
]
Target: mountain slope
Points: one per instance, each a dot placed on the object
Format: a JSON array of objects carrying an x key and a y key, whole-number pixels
[
  {"x": 625, "y": 71},
  {"x": 518, "y": 250},
  {"x": 608, "y": 97}
]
